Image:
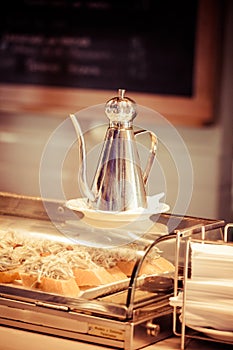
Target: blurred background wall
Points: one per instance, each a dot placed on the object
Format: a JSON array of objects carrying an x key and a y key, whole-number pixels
[{"x": 24, "y": 135}]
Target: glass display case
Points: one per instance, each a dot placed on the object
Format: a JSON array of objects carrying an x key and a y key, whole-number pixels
[{"x": 66, "y": 278}]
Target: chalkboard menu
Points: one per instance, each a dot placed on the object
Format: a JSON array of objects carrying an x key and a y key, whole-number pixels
[{"x": 144, "y": 46}]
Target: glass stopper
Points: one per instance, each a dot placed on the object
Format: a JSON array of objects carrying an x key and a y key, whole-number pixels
[{"x": 121, "y": 109}]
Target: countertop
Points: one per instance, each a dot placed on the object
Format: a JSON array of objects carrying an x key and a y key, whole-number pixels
[{"x": 13, "y": 339}]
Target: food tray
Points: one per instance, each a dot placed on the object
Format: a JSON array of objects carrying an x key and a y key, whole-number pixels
[{"x": 128, "y": 314}]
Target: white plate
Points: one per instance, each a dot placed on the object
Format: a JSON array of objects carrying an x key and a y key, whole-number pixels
[
  {"x": 112, "y": 218},
  {"x": 214, "y": 333}
]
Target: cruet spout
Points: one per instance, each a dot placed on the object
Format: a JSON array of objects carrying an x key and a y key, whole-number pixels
[{"x": 85, "y": 189}]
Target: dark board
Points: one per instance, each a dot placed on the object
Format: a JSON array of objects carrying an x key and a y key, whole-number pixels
[{"x": 144, "y": 46}]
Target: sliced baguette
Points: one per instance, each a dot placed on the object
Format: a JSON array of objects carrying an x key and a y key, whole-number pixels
[
  {"x": 126, "y": 266},
  {"x": 155, "y": 266},
  {"x": 116, "y": 273},
  {"x": 146, "y": 269},
  {"x": 9, "y": 276},
  {"x": 92, "y": 277},
  {"x": 62, "y": 287},
  {"x": 150, "y": 269},
  {"x": 163, "y": 264},
  {"x": 30, "y": 280}
]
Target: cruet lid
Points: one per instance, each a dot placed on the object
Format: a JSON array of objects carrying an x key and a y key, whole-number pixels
[{"x": 121, "y": 109}]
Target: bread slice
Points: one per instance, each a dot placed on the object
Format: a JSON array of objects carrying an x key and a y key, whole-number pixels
[
  {"x": 150, "y": 269},
  {"x": 67, "y": 287},
  {"x": 153, "y": 266},
  {"x": 163, "y": 264},
  {"x": 126, "y": 266},
  {"x": 92, "y": 277},
  {"x": 29, "y": 280},
  {"x": 9, "y": 276},
  {"x": 116, "y": 273},
  {"x": 147, "y": 268}
]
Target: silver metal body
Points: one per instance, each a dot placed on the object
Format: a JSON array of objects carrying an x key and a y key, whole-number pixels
[{"x": 119, "y": 183}]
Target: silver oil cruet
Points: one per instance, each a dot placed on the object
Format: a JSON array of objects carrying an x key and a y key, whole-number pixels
[{"x": 119, "y": 183}]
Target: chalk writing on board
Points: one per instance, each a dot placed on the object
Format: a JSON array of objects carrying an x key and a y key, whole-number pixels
[{"x": 145, "y": 46}]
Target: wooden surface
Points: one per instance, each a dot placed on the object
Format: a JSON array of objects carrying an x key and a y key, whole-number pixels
[{"x": 12, "y": 339}]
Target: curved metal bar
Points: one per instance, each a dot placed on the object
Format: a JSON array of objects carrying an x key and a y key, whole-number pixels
[{"x": 136, "y": 270}]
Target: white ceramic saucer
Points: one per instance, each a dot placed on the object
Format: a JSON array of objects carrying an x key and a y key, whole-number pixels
[{"x": 112, "y": 218}]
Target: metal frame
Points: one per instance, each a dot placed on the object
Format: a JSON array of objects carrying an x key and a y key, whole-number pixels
[{"x": 187, "y": 237}]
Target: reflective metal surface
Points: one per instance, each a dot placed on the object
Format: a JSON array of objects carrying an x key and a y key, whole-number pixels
[
  {"x": 119, "y": 183},
  {"x": 131, "y": 318}
]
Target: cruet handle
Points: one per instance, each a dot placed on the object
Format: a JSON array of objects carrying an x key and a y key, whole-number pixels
[{"x": 153, "y": 151}]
